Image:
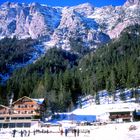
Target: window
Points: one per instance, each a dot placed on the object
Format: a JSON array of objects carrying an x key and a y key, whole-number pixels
[
  {"x": 1, "y": 118},
  {"x": 5, "y": 125},
  {"x": 14, "y": 118},
  {"x": 21, "y": 118},
  {"x": 1, "y": 125},
  {"x": 11, "y": 125},
  {"x": 19, "y": 124},
  {"x": 27, "y": 124},
  {"x": 22, "y": 106},
  {"x": 28, "y": 118}
]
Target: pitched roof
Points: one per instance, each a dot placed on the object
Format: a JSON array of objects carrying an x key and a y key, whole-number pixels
[
  {"x": 23, "y": 98},
  {"x": 4, "y": 106},
  {"x": 39, "y": 101}
]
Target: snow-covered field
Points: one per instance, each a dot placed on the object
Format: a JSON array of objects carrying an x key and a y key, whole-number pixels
[{"x": 105, "y": 132}]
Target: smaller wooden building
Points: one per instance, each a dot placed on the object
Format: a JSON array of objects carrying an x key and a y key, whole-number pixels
[{"x": 121, "y": 116}]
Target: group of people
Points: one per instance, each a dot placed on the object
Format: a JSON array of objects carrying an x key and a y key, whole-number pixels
[
  {"x": 74, "y": 131},
  {"x": 26, "y": 133},
  {"x": 22, "y": 133}
]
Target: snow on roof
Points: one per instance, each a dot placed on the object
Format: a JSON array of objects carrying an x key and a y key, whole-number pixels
[
  {"x": 39, "y": 100},
  {"x": 102, "y": 109},
  {"x": 91, "y": 110}
]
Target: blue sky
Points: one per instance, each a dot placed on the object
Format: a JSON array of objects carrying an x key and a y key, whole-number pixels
[{"x": 96, "y": 3}]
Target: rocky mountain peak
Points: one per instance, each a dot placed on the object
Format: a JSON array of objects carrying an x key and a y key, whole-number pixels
[
  {"x": 84, "y": 9},
  {"x": 56, "y": 25},
  {"x": 132, "y": 2}
]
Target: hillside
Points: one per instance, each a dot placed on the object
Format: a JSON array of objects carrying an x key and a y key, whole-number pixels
[
  {"x": 16, "y": 53},
  {"x": 115, "y": 65},
  {"x": 62, "y": 76}
]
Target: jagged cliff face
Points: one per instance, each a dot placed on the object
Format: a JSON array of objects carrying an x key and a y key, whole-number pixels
[
  {"x": 130, "y": 15},
  {"x": 57, "y": 25},
  {"x": 24, "y": 20},
  {"x": 132, "y": 2}
]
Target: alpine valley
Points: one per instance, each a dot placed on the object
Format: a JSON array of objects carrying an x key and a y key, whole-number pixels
[{"x": 62, "y": 53}]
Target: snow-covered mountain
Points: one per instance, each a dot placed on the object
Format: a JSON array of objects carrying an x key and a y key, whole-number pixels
[
  {"x": 56, "y": 25},
  {"x": 132, "y": 2}
]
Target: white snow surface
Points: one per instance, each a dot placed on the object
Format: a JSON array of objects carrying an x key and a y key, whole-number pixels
[
  {"x": 102, "y": 111},
  {"x": 105, "y": 132}
]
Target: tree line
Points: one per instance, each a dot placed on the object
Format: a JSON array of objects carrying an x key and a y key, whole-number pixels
[
  {"x": 14, "y": 51},
  {"x": 61, "y": 76}
]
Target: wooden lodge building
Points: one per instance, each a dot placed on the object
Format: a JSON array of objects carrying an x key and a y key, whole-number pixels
[{"x": 24, "y": 112}]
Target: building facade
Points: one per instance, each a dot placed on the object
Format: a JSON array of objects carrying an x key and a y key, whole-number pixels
[{"x": 25, "y": 112}]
